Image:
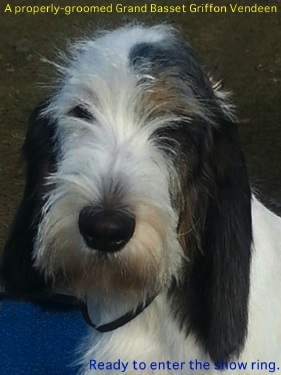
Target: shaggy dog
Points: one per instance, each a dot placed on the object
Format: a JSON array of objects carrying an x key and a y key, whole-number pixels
[{"x": 137, "y": 200}]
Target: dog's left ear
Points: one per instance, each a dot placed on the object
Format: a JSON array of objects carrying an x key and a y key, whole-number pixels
[
  {"x": 214, "y": 297},
  {"x": 17, "y": 272}
]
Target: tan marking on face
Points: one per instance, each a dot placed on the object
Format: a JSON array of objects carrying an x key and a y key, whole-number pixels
[{"x": 165, "y": 97}]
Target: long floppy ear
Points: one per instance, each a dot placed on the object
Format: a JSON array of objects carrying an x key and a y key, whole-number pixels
[
  {"x": 213, "y": 300},
  {"x": 17, "y": 272}
]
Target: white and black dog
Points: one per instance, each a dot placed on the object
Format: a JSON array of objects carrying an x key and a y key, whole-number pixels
[{"x": 137, "y": 199}]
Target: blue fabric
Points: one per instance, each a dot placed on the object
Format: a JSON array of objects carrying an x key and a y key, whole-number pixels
[{"x": 39, "y": 339}]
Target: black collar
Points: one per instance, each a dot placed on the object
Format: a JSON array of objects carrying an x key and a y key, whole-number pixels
[{"x": 117, "y": 323}]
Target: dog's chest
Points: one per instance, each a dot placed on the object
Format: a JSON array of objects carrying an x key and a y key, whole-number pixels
[{"x": 150, "y": 344}]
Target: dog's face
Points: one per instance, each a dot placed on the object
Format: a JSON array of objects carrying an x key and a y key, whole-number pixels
[{"x": 136, "y": 185}]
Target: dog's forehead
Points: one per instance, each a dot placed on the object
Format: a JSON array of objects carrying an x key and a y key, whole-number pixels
[
  {"x": 108, "y": 57},
  {"x": 130, "y": 78},
  {"x": 135, "y": 53},
  {"x": 100, "y": 69}
]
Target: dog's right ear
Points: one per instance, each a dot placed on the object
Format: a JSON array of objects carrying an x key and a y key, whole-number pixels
[{"x": 17, "y": 272}]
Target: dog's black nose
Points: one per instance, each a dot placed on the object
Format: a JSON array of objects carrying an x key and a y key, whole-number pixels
[{"x": 105, "y": 230}]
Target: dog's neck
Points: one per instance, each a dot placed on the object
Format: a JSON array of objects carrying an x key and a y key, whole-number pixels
[{"x": 108, "y": 314}]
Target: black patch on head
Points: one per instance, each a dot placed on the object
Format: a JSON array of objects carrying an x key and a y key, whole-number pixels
[
  {"x": 17, "y": 271},
  {"x": 178, "y": 59}
]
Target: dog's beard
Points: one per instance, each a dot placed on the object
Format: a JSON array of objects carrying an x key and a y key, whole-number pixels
[{"x": 143, "y": 268}]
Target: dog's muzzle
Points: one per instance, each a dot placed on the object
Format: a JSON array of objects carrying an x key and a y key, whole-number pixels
[{"x": 106, "y": 230}]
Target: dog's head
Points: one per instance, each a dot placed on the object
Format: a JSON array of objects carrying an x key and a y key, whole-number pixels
[{"x": 136, "y": 184}]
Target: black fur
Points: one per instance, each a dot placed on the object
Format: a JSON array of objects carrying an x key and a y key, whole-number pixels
[
  {"x": 212, "y": 302},
  {"x": 219, "y": 277},
  {"x": 17, "y": 272},
  {"x": 178, "y": 59}
]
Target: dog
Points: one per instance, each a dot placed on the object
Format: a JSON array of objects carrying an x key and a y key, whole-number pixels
[{"x": 137, "y": 200}]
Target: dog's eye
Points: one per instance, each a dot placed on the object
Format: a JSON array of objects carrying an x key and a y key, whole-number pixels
[{"x": 81, "y": 112}]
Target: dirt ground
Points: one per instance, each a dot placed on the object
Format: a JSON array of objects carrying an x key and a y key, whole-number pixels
[{"x": 241, "y": 48}]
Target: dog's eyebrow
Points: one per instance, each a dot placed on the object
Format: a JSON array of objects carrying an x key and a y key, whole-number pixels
[{"x": 81, "y": 112}]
